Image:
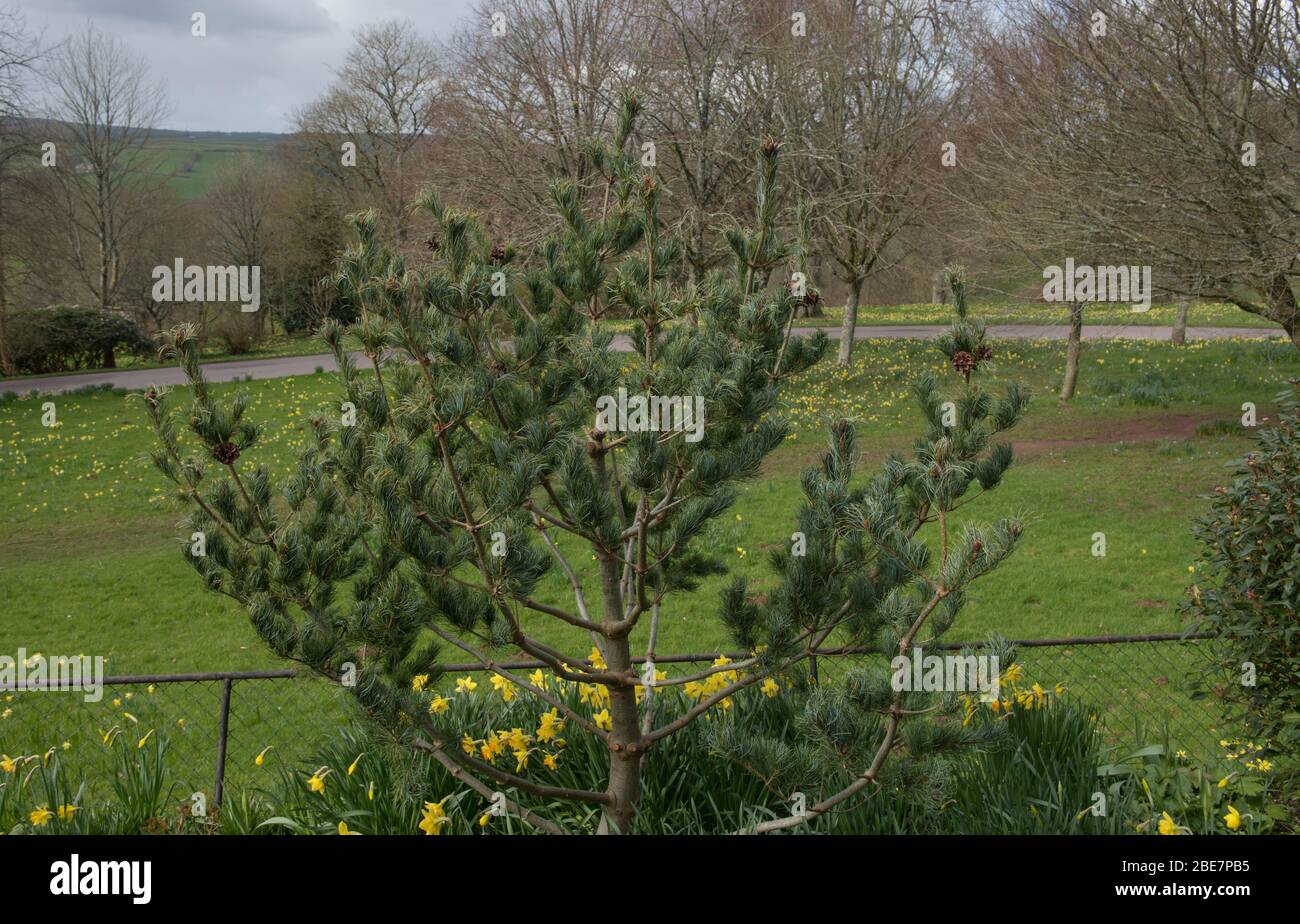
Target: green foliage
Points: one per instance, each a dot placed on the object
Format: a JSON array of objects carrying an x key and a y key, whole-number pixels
[
  {"x": 420, "y": 518},
  {"x": 1248, "y": 586},
  {"x": 1155, "y": 789},
  {"x": 60, "y": 338},
  {"x": 1040, "y": 780}
]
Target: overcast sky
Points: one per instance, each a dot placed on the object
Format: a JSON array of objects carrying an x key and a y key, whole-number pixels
[{"x": 260, "y": 60}]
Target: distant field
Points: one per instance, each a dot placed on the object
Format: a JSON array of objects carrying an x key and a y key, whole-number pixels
[{"x": 191, "y": 162}]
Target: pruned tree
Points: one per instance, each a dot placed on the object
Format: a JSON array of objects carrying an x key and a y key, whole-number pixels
[
  {"x": 872, "y": 91},
  {"x": 1208, "y": 198},
  {"x": 483, "y": 454}
]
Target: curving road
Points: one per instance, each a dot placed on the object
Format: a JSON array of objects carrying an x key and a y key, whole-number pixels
[{"x": 280, "y": 367}]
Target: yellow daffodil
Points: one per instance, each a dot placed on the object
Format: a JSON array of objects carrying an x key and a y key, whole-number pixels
[
  {"x": 418, "y": 682},
  {"x": 145, "y": 740},
  {"x": 770, "y": 688},
  {"x": 260, "y": 759},
  {"x": 1168, "y": 825},
  {"x": 466, "y": 685},
  {"x": 1232, "y": 819},
  {"x": 7, "y": 764},
  {"x": 352, "y": 767},
  {"x": 40, "y": 817},
  {"x": 439, "y": 704},
  {"x": 504, "y": 687},
  {"x": 549, "y": 761},
  {"x": 343, "y": 829},
  {"x": 317, "y": 781},
  {"x": 65, "y": 812},
  {"x": 550, "y": 725},
  {"x": 434, "y": 817},
  {"x": 603, "y": 720}
]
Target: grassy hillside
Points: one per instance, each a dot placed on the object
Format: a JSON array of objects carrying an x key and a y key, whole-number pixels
[{"x": 191, "y": 161}]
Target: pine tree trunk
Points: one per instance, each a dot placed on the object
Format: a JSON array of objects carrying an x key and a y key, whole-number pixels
[
  {"x": 850, "y": 323},
  {"x": 625, "y": 747},
  {"x": 1072, "y": 350},
  {"x": 624, "y": 787},
  {"x": 1179, "y": 334}
]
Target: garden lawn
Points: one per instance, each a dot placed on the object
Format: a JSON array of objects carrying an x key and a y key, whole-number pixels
[
  {"x": 1202, "y": 314},
  {"x": 90, "y": 540},
  {"x": 91, "y": 557}
]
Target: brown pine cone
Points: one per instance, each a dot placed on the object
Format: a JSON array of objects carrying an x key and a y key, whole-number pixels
[
  {"x": 225, "y": 452},
  {"x": 963, "y": 362}
]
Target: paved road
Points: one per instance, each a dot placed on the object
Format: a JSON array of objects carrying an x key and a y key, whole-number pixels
[{"x": 305, "y": 365}]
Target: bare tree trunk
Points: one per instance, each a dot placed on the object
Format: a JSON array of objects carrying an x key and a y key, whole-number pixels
[
  {"x": 850, "y": 323},
  {"x": 1072, "y": 350},
  {"x": 6, "y": 358},
  {"x": 1179, "y": 334}
]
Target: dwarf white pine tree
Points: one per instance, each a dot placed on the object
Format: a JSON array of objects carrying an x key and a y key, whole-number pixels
[{"x": 466, "y": 458}]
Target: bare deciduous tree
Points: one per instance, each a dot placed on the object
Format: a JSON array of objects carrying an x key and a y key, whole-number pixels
[
  {"x": 19, "y": 53},
  {"x": 381, "y": 102},
  {"x": 873, "y": 91},
  {"x": 104, "y": 106}
]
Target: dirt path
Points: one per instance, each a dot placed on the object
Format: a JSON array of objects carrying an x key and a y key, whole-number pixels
[{"x": 1148, "y": 428}]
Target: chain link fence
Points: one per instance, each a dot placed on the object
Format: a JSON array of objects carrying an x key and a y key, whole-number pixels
[{"x": 216, "y": 724}]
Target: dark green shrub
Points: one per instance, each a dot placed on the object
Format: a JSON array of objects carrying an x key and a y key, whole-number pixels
[
  {"x": 1248, "y": 586},
  {"x": 62, "y": 337}
]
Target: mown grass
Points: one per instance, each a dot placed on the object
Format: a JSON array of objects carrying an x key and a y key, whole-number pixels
[
  {"x": 1201, "y": 314},
  {"x": 90, "y": 556}
]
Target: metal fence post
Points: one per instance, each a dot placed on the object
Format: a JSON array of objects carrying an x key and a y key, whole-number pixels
[{"x": 222, "y": 727}]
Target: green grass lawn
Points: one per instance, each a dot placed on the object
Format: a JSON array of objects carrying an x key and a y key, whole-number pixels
[
  {"x": 90, "y": 555},
  {"x": 90, "y": 552},
  {"x": 1202, "y": 314}
]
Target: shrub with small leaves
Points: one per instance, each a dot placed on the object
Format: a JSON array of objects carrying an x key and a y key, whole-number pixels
[{"x": 1248, "y": 583}]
